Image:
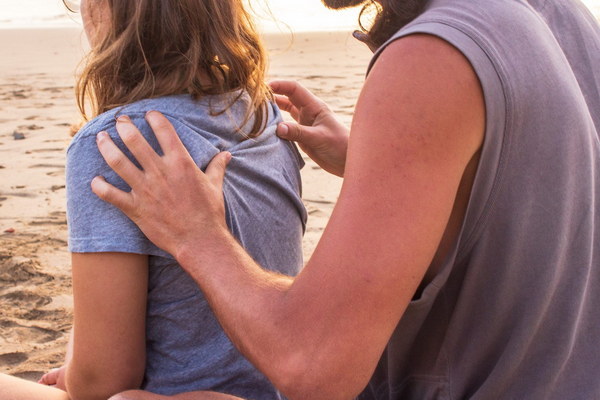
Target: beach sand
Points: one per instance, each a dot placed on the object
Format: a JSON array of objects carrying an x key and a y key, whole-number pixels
[{"x": 37, "y": 110}]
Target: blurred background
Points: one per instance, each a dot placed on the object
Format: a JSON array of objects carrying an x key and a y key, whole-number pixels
[{"x": 272, "y": 15}]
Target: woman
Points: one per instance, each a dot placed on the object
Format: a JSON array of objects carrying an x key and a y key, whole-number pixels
[{"x": 139, "y": 319}]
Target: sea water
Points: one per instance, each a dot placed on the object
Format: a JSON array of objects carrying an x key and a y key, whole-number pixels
[{"x": 271, "y": 15}]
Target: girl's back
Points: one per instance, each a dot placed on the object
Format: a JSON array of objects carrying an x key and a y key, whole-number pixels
[{"x": 186, "y": 347}]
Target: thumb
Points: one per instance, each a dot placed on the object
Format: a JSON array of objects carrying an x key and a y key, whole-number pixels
[
  {"x": 297, "y": 133},
  {"x": 49, "y": 378},
  {"x": 215, "y": 171}
]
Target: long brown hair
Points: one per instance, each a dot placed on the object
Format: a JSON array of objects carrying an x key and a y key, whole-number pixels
[{"x": 155, "y": 48}]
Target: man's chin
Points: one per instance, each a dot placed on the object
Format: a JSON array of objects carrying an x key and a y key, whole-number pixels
[{"x": 339, "y": 4}]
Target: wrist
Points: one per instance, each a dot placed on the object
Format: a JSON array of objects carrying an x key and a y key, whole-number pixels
[{"x": 200, "y": 248}]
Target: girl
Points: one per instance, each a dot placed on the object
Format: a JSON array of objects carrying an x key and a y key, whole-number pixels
[{"x": 139, "y": 320}]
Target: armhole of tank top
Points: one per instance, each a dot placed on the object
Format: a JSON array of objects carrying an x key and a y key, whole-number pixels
[{"x": 490, "y": 72}]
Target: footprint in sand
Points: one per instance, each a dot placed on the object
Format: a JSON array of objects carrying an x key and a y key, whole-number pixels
[
  {"x": 14, "y": 332},
  {"x": 60, "y": 166},
  {"x": 54, "y": 149},
  {"x": 32, "y": 376},
  {"x": 319, "y": 201},
  {"x": 20, "y": 269},
  {"x": 42, "y": 222},
  {"x": 32, "y": 127},
  {"x": 10, "y": 359},
  {"x": 57, "y": 89},
  {"x": 55, "y": 173},
  {"x": 53, "y": 315},
  {"x": 24, "y": 299}
]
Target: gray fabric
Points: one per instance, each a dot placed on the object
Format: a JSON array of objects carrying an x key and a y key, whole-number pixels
[
  {"x": 186, "y": 347},
  {"x": 513, "y": 314}
]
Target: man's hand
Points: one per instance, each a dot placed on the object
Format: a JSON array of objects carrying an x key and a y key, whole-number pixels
[
  {"x": 165, "y": 194},
  {"x": 55, "y": 377},
  {"x": 318, "y": 132}
]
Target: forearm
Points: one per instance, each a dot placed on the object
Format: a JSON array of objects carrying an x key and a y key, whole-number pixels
[
  {"x": 283, "y": 325},
  {"x": 247, "y": 299}
]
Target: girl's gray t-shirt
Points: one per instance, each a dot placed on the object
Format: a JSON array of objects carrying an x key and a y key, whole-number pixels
[
  {"x": 186, "y": 348},
  {"x": 513, "y": 314}
]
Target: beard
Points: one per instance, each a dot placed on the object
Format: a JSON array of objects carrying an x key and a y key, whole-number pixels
[{"x": 339, "y": 4}]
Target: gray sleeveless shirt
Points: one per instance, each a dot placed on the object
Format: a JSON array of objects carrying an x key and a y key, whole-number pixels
[{"x": 513, "y": 313}]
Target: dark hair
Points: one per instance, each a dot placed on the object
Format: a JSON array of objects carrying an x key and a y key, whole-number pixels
[
  {"x": 158, "y": 48},
  {"x": 390, "y": 17}
]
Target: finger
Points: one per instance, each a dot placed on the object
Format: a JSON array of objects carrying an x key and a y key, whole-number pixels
[
  {"x": 297, "y": 133},
  {"x": 44, "y": 380},
  {"x": 136, "y": 143},
  {"x": 286, "y": 105},
  {"x": 118, "y": 161},
  {"x": 299, "y": 96},
  {"x": 49, "y": 378},
  {"x": 111, "y": 194},
  {"x": 215, "y": 172},
  {"x": 167, "y": 137}
]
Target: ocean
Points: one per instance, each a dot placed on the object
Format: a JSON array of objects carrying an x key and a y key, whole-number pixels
[
  {"x": 304, "y": 15},
  {"x": 271, "y": 15}
]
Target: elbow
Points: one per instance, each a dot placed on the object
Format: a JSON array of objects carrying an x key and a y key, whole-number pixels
[
  {"x": 304, "y": 379},
  {"x": 95, "y": 385}
]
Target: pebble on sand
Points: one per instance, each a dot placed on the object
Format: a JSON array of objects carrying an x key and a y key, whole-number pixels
[
  {"x": 18, "y": 135},
  {"x": 9, "y": 230}
]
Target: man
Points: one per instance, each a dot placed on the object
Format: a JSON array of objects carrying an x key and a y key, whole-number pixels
[{"x": 461, "y": 259}]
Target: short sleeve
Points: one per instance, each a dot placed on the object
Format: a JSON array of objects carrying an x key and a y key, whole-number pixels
[{"x": 94, "y": 225}]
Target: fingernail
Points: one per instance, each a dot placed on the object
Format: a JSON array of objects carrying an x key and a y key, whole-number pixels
[
  {"x": 124, "y": 118},
  {"x": 101, "y": 135},
  {"x": 283, "y": 129},
  {"x": 228, "y": 156}
]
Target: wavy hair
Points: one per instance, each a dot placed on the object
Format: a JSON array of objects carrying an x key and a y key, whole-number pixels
[
  {"x": 392, "y": 15},
  {"x": 155, "y": 48},
  {"x": 389, "y": 16}
]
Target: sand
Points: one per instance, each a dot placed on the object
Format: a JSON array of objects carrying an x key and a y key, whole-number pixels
[{"x": 37, "y": 110}]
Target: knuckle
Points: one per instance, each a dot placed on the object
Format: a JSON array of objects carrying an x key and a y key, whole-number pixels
[
  {"x": 104, "y": 193},
  {"x": 116, "y": 161},
  {"x": 161, "y": 123},
  {"x": 298, "y": 133},
  {"x": 129, "y": 136}
]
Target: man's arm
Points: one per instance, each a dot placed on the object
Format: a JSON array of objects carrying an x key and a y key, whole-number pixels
[{"x": 418, "y": 122}]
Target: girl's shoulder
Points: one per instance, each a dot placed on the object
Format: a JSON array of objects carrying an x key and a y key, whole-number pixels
[
  {"x": 175, "y": 106},
  {"x": 202, "y": 124}
]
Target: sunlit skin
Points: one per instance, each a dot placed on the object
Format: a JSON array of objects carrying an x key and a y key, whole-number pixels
[
  {"x": 408, "y": 171},
  {"x": 95, "y": 15}
]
